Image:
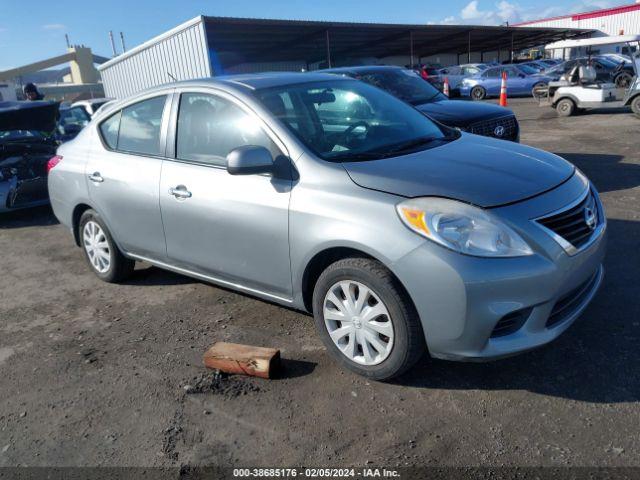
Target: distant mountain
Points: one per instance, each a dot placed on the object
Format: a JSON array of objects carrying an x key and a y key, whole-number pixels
[{"x": 46, "y": 76}]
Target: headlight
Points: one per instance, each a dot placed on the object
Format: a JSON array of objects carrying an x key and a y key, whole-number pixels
[{"x": 462, "y": 227}]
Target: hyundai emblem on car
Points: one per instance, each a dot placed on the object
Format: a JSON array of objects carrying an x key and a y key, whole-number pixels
[{"x": 499, "y": 131}]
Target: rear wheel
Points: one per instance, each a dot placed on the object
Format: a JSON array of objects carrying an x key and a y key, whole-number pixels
[
  {"x": 565, "y": 107},
  {"x": 539, "y": 90},
  {"x": 366, "y": 320},
  {"x": 478, "y": 93},
  {"x": 101, "y": 252},
  {"x": 623, "y": 80},
  {"x": 635, "y": 106}
]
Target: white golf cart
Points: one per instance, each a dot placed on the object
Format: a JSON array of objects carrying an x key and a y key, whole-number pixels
[{"x": 579, "y": 89}]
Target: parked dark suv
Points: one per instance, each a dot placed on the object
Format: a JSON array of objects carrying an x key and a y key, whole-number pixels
[{"x": 479, "y": 118}]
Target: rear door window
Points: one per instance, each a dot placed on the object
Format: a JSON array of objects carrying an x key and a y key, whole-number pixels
[
  {"x": 109, "y": 130},
  {"x": 140, "y": 126}
]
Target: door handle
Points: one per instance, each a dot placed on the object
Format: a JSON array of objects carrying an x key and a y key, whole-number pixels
[
  {"x": 96, "y": 177},
  {"x": 180, "y": 192}
]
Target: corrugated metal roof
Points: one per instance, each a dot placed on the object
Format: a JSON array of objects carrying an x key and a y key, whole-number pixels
[
  {"x": 604, "y": 12},
  {"x": 239, "y": 40}
]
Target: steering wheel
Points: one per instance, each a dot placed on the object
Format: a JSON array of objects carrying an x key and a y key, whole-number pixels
[{"x": 349, "y": 131}]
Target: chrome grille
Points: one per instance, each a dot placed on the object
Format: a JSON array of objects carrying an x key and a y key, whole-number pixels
[
  {"x": 491, "y": 128},
  {"x": 577, "y": 224}
]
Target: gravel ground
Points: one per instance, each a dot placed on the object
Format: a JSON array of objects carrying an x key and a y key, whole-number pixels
[{"x": 95, "y": 374}]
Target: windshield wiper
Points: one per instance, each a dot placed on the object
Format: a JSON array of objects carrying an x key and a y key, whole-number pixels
[
  {"x": 410, "y": 145},
  {"x": 389, "y": 151},
  {"x": 354, "y": 157}
]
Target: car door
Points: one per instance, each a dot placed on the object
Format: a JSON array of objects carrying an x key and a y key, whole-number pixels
[
  {"x": 123, "y": 174},
  {"x": 233, "y": 228},
  {"x": 492, "y": 80},
  {"x": 517, "y": 82}
]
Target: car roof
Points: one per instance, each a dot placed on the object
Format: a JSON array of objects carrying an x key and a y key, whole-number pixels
[
  {"x": 243, "y": 82},
  {"x": 90, "y": 101},
  {"x": 362, "y": 68},
  {"x": 258, "y": 81}
]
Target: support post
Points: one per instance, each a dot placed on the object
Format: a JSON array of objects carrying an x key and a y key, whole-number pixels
[
  {"x": 511, "y": 47},
  {"x": 328, "y": 49},
  {"x": 469, "y": 49},
  {"x": 411, "y": 48}
]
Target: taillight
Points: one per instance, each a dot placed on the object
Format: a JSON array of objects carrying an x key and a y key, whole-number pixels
[{"x": 53, "y": 161}]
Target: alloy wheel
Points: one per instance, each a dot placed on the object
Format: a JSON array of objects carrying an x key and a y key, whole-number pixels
[
  {"x": 478, "y": 93},
  {"x": 358, "y": 322},
  {"x": 97, "y": 247}
]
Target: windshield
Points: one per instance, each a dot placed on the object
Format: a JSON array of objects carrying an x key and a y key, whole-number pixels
[
  {"x": 608, "y": 62},
  {"x": 348, "y": 120},
  {"x": 74, "y": 116},
  {"x": 404, "y": 84},
  {"x": 526, "y": 69}
]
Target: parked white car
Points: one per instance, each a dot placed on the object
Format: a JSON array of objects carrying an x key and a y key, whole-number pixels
[{"x": 91, "y": 105}]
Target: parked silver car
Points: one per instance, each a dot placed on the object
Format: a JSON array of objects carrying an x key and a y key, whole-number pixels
[{"x": 329, "y": 195}]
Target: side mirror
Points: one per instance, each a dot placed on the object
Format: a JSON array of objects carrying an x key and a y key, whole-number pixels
[
  {"x": 249, "y": 160},
  {"x": 522, "y": 75}
]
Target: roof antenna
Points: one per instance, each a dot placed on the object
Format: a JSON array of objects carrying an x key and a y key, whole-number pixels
[{"x": 172, "y": 77}]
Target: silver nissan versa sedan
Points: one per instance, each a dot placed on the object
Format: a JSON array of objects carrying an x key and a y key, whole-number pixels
[{"x": 331, "y": 196}]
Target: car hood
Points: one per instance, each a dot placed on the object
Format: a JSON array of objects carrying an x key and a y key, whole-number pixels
[
  {"x": 40, "y": 116},
  {"x": 458, "y": 113},
  {"x": 473, "y": 169}
]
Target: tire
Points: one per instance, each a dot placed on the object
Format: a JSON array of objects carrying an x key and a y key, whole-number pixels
[
  {"x": 635, "y": 106},
  {"x": 539, "y": 90},
  {"x": 102, "y": 254},
  {"x": 478, "y": 93},
  {"x": 623, "y": 80},
  {"x": 401, "y": 348},
  {"x": 565, "y": 107}
]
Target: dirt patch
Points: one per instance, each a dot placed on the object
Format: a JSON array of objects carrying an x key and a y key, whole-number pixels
[{"x": 220, "y": 383}]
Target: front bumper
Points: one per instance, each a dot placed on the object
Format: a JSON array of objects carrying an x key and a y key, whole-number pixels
[{"x": 460, "y": 299}]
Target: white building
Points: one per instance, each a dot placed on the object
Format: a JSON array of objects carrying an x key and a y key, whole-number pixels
[{"x": 622, "y": 20}]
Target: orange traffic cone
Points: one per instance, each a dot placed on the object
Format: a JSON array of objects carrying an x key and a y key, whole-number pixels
[
  {"x": 503, "y": 90},
  {"x": 445, "y": 87}
]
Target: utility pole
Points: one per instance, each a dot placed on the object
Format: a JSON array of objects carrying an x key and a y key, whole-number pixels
[
  {"x": 113, "y": 44},
  {"x": 122, "y": 42}
]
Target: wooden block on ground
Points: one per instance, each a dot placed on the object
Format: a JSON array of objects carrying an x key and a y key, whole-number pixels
[{"x": 243, "y": 359}]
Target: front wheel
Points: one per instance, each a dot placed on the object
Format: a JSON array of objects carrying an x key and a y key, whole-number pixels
[
  {"x": 635, "y": 106},
  {"x": 478, "y": 93},
  {"x": 366, "y": 320},
  {"x": 101, "y": 252},
  {"x": 565, "y": 107}
]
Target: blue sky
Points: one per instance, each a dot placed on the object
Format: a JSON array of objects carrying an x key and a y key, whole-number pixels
[{"x": 32, "y": 30}]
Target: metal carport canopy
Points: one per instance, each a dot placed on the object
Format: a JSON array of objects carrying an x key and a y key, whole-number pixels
[{"x": 238, "y": 40}]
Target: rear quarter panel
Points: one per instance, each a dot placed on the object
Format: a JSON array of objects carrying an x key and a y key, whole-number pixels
[{"x": 67, "y": 180}]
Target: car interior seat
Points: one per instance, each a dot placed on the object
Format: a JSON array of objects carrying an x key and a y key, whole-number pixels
[
  {"x": 198, "y": 129},
  {"x": 587, "y": 76}
]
